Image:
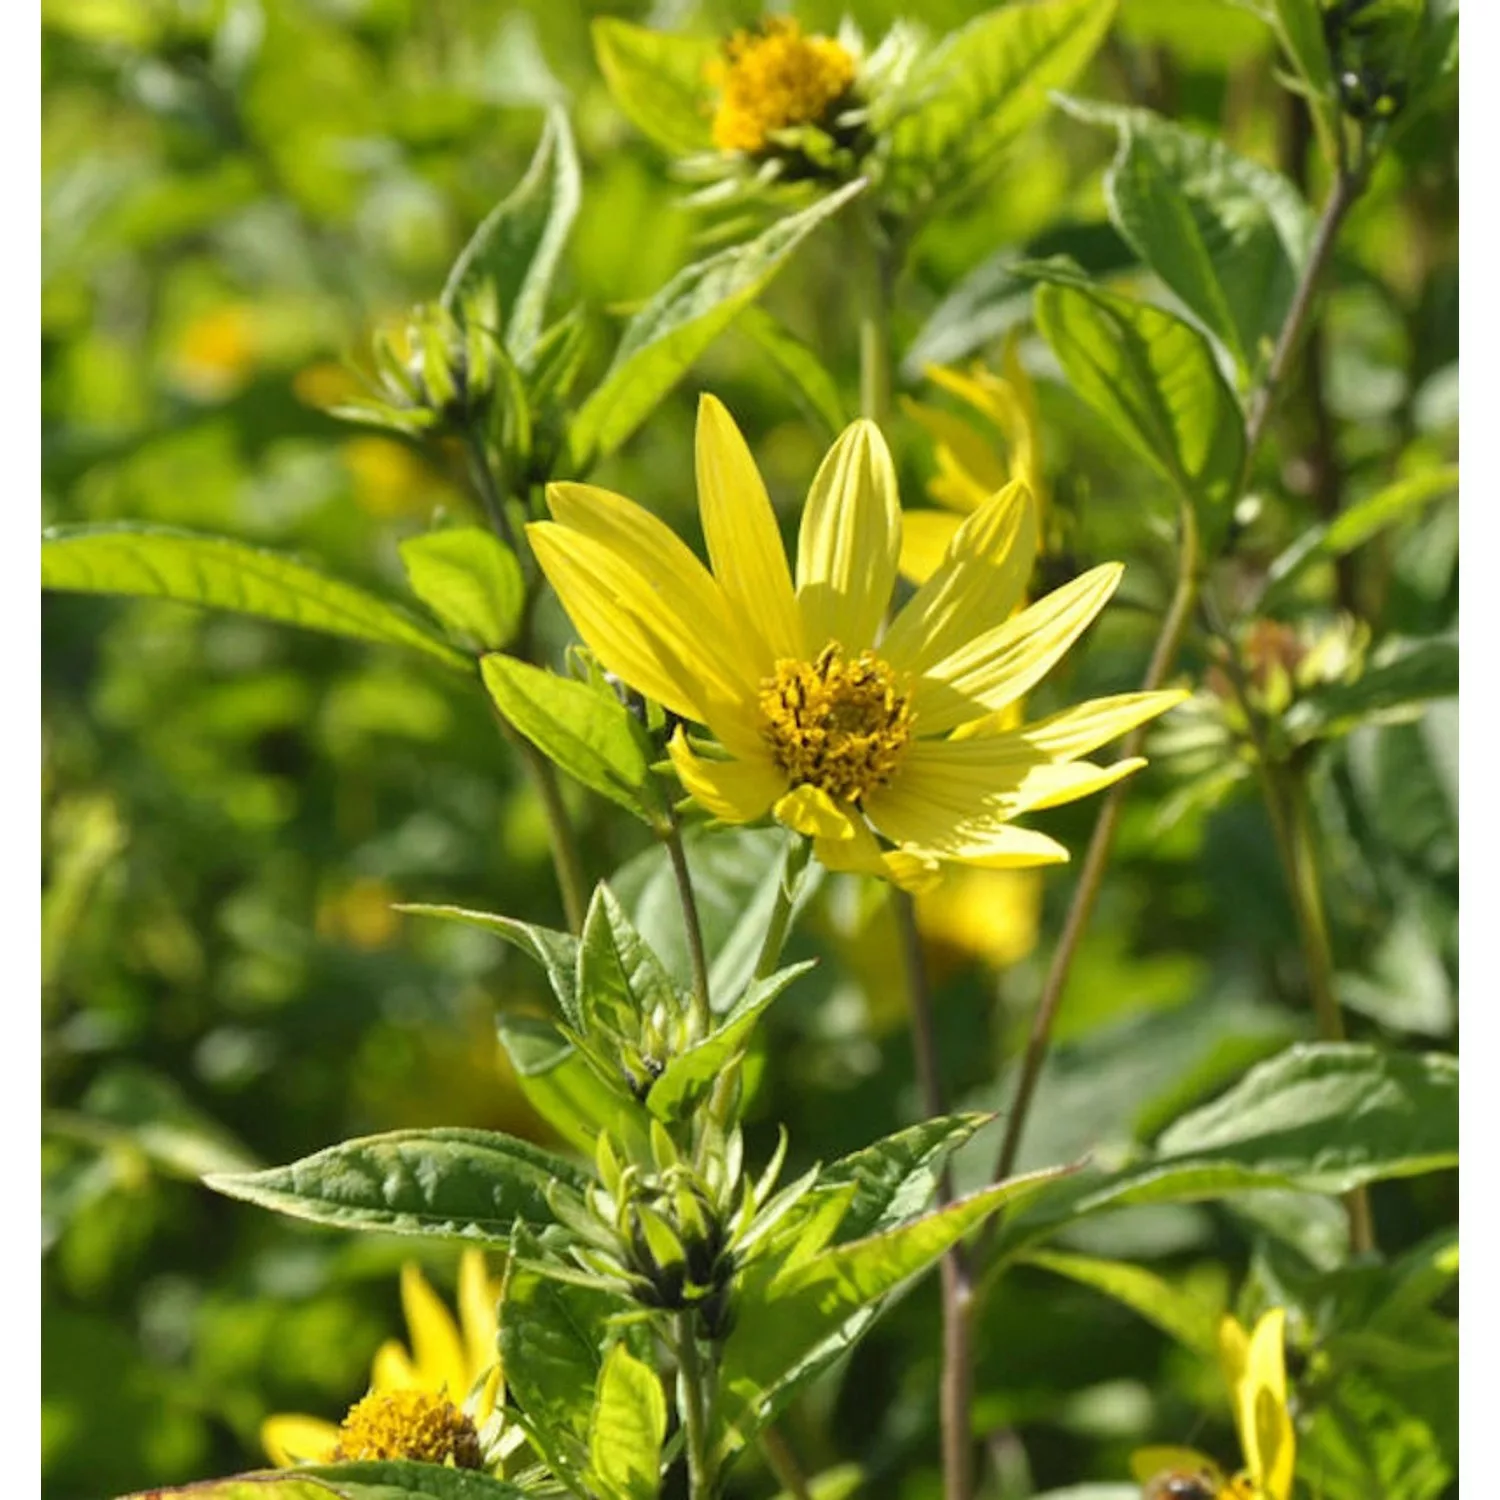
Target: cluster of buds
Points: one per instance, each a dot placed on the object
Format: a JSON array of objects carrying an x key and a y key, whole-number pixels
[{"x": 674, "y": 1233}]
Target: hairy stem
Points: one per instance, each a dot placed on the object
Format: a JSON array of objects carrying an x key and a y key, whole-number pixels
[{"x": 694, "y": 1400}]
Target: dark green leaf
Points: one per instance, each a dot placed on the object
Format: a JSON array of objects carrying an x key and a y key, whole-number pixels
[
  {"x": 470, "y": 1185},
  {"x": 469, "y": 579},
  {"x": 219, "y": 573},
  {"x": 659, "y": 79},
  {"x": 580, "y": 726},
  {"x": 680, "y": 322}
]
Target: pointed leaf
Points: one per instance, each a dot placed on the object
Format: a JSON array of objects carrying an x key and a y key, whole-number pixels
[
  {"x": 628, "y": 1428},
  {"x": 659, "y": 79},
  {"x": 620, "y": 979},
  {"x": 220, "y": 573},
  {"x": 811, "y": 380},
  {"x": 469, "y": 579}
]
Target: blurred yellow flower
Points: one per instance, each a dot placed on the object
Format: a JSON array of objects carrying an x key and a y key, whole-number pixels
[
  {"x": 362, "y": 914},
  {"x": 1254, "y": 1367},
  {"x": 837, "y": 728},
  {"x": 389, "y": 479},
  {"x": 458, "y": 1363},
  {"x": 774, "y": 78},
  {"x": 215, "y": 352}
]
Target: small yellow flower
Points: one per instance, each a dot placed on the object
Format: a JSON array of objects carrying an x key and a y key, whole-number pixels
[
  {"x": 775, "y": 78},
  {"x": 446, "y": 1362},
  {"x": 215, "y": 353},
  {"x": 970, "y": 466},
  {"x": 839, "y": 730},
  {"x": 1254, "y": 1367}
]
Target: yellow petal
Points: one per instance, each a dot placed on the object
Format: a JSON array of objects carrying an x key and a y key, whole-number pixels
[
  {"x": 392, "y": 1369},
  {"x": 737, "y": 791},
  {"x": 925, "y": 535},
  {"x": 636, "y": 635},
  {"x": 992, "y": 915},
  {"x": 1266, "y": 1432},
  {"x": 976, "y": 586},
  {"x": 810, "y": 811},
  {"x": 437, "y": 1349},
  {"x": 1006, "y": 662},
  {"x": 477, "y": 1315},
  {"x": 1075, "y": 731},
  {"x": 744, "y": 542},
  {"x": 969, "y": 454},
  {"x": 849, "y": 542},
  {"x": 490, "y": 1395},
  {"x": 293, "y": 1439},
  {"x": 861, "y": 854}
]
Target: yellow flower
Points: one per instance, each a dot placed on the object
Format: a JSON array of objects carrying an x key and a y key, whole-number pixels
[
  {"x": 446, "y": 1360},
  {"x": 216, "y": 352},
  {"x": 773, "y": 79},
  {"x": 836, "y": 729},
  {"x": 970, "y": 467},
  {"x": 1254, "y": 1367}
]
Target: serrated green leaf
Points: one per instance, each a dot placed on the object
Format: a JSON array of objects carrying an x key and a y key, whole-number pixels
[
  {"x": 680, "y": 321},
  {"x": 659, "y": 80},
  {"x": 219, "y": 573},
  {"x": 620, "y": 980},
  {"x": 1154, "y": 381},
  {"x": 983, "y": 84},
  {"x": 627, "y": 1430},
  {"x": 582, "y": 727},
  {"x": 1227, "y": 235},
  {"x": 692, "y": 1072},
  {"x": 519, "y": 246},
  {"x": 1394, "y": 689},
  {"x": 470, "y": 1185},
  {"x": 790, "y": 1325},
  {"x": 556, "y": 952},
  {"x": 1179, "y": 1314},
  {"x": 815, "y": 387},
  {"x": 469, "y": 579}
]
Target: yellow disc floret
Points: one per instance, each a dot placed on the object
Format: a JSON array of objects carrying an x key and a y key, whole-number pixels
[
  {"x": 774, "y": 78},
  {"x": 409, "y": 1424},
  {"x": 839, "y": 725}
]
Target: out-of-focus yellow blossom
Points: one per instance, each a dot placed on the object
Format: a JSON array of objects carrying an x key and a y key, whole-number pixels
[
  {"x": 215, "y": 352},
  {"x": 389, "y": 479},
  {"x": 1254, "y": 1366},
  {"x": 775, "y": 78},
  {"x": 971, "y": 466},
  {"x": 324, "y": 384},
  {"x": 839, "y": 727},
  {"x": 439, "y": 1392},
  {"x": 361, "y": 914}
]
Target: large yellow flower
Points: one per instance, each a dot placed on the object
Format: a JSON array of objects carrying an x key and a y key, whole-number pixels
[
  {"x": 1254, "y": 1367},
  {"x": 446, "y": 1360},
  {"x": 839, "y": 730}
]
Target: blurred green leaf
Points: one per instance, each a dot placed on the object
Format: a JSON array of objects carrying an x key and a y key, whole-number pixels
[
  {"x": 378, "y": 1480},
  {"x": 1227, "y": 235},
  {"x": 469, "y": 1185},
  {"x": 814, "y": 386},
  {"x": 1154, "y": 381},
  {"x": 219, "y": 573},
  {"x": 469, "y": 579},
  {"x": 628, "y": 1427},
  {"x": 580, "y": 726},
  {"x": 659, "y": 80},
  {"x": 1411, "y": 675},
  {"x": 662, "y": 340}
]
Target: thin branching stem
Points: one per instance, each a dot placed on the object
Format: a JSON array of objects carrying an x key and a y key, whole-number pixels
[{"x": 692, "y": 924}]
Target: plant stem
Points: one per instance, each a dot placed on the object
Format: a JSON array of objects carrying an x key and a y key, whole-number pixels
[
  {"x": 489, "y": 490},
  {"x": 781, "y": 914},
  {"x": 694, "y": 1410},
  {"x": 783, "y": 1464},
  {"x": 672, "y": 837},
  {"x": 875, "y": 327}
]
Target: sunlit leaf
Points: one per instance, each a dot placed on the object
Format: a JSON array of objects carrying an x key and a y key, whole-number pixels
[
  {"x": 469, "y": 579},
  {"x": 658, "y": 78},
  {"x": 627, "y": 1429}
]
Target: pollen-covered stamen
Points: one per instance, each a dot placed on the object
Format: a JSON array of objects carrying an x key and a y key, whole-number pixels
[
  {"x": 836, "y": 724},
  {"x": 775, "y": 78},
  {"x": 409, "y": 1424}
]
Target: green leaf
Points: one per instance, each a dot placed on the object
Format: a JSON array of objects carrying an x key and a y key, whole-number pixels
[
  {"x": 1154, "y": 381},
  {"x": 679, "y": 323},
  {"x": 219, "y": 573},
  {"x": 519, "y": 246},
  {"x": 692, "y": 1072},
  {"x": 580, "y": 726},
  {"x": 470, "y": 1185},
  {"x": 658, "y": 78},
  {"x": 983, "y": 84},
  {"x": 383, "y": 1480},
  {"x": 1392, "y": 690},
  {"x": 811, "y": 380},
  {"x": 270, "y": 1485},
  {"x": 469, "y": 579},
  {"x": 790, "y": 1325},
  {"x": 1227, "y": 235},
  {"x": 556, "y": 952},
  {"x": 628, "y": 1427},
  {"x": 1178, "y": 1314},
  {"x": 620, "y": 980}
]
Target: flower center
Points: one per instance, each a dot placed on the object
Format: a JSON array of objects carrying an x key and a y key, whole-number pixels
[
  {"x": 409, "y": 1424},
  {"x": 774, "y": 78},
  {"x": 836, "y": 724}
]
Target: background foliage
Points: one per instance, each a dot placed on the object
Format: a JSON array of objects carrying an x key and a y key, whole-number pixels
[{"x": 235, "y": 191}]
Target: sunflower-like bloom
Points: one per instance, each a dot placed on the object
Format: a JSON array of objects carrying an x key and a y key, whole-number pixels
[
  {"x": 415, "y": 1405},
  {"x": 970, "y": 467},
  {"x": 841, "y": 731},
  {"x": 1254, "y": 1366},
  {"x": 773, "y": 79}
]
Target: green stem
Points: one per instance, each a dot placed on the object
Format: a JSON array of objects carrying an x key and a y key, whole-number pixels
[
  {"x": 694, "y": 1410},
  {"x": 489, "y": 490},
  {"x": 783, "y": 1464},
  {"x": 692, "y": 924},
  {"x": 875, "y": 328},
  {"x": 781, "y": 914}
]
